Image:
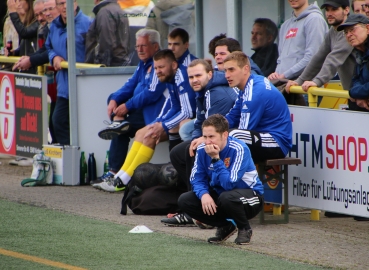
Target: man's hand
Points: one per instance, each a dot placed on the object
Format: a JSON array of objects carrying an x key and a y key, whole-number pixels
[
  {"x": 23, "y": 64},
  {"x": 121, "y": 110},
  {"x": 289, "y": 84},
  {"x": 212, "y": 150},
  {"x": 111, "y": 107},
  {"x": 363, "y": 103},
  {"x": 194, "y": 144},
  {"x": 306, "y": 85},
  {"x": 154, "y": 132},
  {"x": 57, "y": 62},
  {"x": 275, "y": 76},
  {"x": 208, "y": 205}
]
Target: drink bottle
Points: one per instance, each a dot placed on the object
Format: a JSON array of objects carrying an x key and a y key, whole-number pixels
[
  {"x": 82, "y": 169},
  {"x": 106, "y": 163},
  {"x": 91, "y": 168}
]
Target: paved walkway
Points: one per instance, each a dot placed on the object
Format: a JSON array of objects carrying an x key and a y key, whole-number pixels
[{"x": 332, "y": 242}]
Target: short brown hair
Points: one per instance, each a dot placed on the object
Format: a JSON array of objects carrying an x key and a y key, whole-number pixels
[
  {"x": 180, "y": 32},
  {"x": 166, "y": 53},
  {"x": 231, "y": 43},
  {"x": 203, "y": 62},
  {"x": 240, "y": 57},
  {"x": 218, "y": 121}
]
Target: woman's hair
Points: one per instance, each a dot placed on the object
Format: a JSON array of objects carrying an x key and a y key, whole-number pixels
[{"x": 29, "y": 18}]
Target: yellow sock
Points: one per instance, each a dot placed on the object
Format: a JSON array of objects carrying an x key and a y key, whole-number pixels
[
  {"x": 131, "y": 155},
  {"x": 143, "y": 155}
]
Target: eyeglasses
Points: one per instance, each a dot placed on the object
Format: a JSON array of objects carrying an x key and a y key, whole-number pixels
[
  {"x": 60, "y": 4},
  {"x": 364, "y": 6},
  {"x": 137, "y": 47},
  {"x": 352, "y": 29},
  {"x": 48, "y": 9},
  {"x": 39, "y": 14}
]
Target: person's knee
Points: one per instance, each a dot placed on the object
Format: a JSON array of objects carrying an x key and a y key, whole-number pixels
[{"x": 183, "y": 200}]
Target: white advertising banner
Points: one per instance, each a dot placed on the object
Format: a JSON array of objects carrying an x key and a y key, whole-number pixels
[{"x": 333, "y": 147}]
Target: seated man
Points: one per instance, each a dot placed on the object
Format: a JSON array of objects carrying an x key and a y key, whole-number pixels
[
  {"x": 182, "y": 99},
  {"x": 260, "y": 114},
  {"x": 225, "y": 184},
  {"x": 224, "y": 47},
  {"x": 213, "y": 96},
  {"x": 178, "y": 42},
  {"x": 135, "y": 104}
]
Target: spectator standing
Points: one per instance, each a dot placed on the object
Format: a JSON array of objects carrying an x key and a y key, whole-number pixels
[
  {"x": 107, "y": 40},
  {"x": 299, "y": 39},
  {"x": 366, "y": 8},
  {"x": 356, "y": 29},
  {"x": 56, "y": 45},
  {"x": 358, "y": 6},
  {"x": 41, "y": 57},
  {"x": 225, "y": 184},
  {"x": 263, "y": 34},
  {"x": 334, "y": 55},
  {"x": 23, "y": 18}
]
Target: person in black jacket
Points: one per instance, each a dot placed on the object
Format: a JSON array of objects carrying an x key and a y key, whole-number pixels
[
  {"x": 22, "y": 16},
  {"x": 263, "y": 34},
  {"x": 40, "y": 57},
  {"x": 107, "y": 39}
]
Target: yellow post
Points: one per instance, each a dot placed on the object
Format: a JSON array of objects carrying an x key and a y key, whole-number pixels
[
  {"x": 314, "y": 215},
  {"x": 41, "y": 70},
  {"x": 277, "y": 210},
  {"x": 312, "y": 99}
]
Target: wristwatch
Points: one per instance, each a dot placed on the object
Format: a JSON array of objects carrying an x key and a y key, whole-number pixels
[{"x": 213, "y": 160}]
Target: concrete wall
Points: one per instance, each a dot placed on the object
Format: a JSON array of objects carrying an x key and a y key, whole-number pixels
[{"x": 92, "y": 93}]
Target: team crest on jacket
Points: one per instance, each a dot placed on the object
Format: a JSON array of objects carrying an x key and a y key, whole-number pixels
[{"x": 227, "y": 161}]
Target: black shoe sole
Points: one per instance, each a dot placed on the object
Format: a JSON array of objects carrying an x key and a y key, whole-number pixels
[
  {"x": 109, "y": 134},
  {"x": 179, "y": 225},
  {"x": 224, "y": 239}
]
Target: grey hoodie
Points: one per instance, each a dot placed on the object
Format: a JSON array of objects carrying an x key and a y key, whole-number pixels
[{"x": 299, "y": 39}]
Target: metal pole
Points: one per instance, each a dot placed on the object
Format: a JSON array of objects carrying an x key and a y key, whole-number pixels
[
  {"x": 72, "y": 80},
  {"x": 199, "y": 28}
]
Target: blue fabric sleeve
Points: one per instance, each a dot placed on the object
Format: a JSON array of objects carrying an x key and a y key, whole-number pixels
[
  {"x": 126, "y": 91},
  {"x": 199, "y": 177}
]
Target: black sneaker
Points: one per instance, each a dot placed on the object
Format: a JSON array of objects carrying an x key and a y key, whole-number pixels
[
  {"x": 244, "y": 237},
  {"x": 178, "y": 220},
  {"x": 223, "y": 233},
  {"x": 114, "y": 129}
]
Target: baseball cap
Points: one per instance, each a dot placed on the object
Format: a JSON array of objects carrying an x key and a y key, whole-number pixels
[
  {"x": 336, "y": 3},
  {"x": 352, "y": 20}
]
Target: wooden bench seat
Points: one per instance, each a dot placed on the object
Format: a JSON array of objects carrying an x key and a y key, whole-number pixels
[{"x": 280, "y": 175}]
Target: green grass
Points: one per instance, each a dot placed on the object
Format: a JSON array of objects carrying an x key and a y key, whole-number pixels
[{"x": 95, "y": 244}]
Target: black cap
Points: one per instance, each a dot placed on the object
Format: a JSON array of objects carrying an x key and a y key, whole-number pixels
[
  {"x": 336, "y": 3},
  {"x": 352, "y": 20}
]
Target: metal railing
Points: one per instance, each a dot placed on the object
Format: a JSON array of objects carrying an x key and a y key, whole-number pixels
[
  {"x": 314, "y": 92},
  {"x": 41, "y": 69}
]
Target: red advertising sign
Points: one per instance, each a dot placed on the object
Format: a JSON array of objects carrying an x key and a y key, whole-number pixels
[{"x": 21, "y": 114}]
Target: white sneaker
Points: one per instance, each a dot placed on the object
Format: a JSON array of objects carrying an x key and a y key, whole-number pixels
[{"x": 107, "y": 186}]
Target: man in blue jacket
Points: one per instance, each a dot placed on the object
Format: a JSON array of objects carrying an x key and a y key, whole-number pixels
[
  {"x": 225, "y": 184},
  {"x": 56, "y": 45},
  {"x": 182, "y": 106},
  {"x": 178, "y": 42},
  {"x": 260, "y": 116},
  {"x": 213, "y": 96},
  {"x": 136, "y": 104}
]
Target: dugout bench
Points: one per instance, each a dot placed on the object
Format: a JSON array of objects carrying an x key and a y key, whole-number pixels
[{"x": 265, "y": 175}]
